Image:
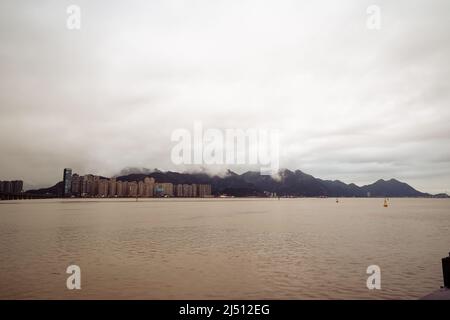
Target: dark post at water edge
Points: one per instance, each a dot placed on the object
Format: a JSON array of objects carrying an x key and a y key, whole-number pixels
[
  {"x": 444, "y": 293},
  {"x": 446, "y": 271}
]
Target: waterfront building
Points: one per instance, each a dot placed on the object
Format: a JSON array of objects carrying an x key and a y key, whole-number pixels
[
  {"x": 112, "y": 192},
  {"x": 178, "y": 190},
  {"x": 67, "y": 182},
  {"x": 204, "y": 190},
  {"x": 103, "y": 188},
  {"x": 164, "y": 189},
  {"x": 17, "y": 186},
  {"x": 187, "y": 190},
  {"x": 96, "y": 186},
  {"x": 7, "y": 187},
  {"x": 149, "y": 190},
  {"x": 119, "y": 192},
  {"x": 132, "y": 189},
  {"x": 124, "y": 188},
  {"x": 149, "y": 184},
  {"x": 76, "y": 185},
  {"x": 141, "y": 190},
  {"x": 89, "y": 185},
  {"x": 83, "y": 185},
  {"x": 12, "y": 187}
]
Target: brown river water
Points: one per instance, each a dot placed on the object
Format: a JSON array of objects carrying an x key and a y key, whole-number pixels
[{"x": 222, "y": 248}]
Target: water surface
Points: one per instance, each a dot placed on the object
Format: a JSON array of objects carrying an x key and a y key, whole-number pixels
[{"x": 222, "y": 248}]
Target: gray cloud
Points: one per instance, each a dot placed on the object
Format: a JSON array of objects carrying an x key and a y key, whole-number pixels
[{"x": 351, "y": 103}]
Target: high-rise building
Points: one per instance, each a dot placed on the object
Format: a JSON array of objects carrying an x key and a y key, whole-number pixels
[
  {"x": 103, "y": 188},
  {"x": 17, "y": 186},
  {"x": 112, "y": 192},
  {"x": 90, "y": 190},
  {"x": 119, "y": 192},
  {"x": 83, "y": 186},
  {"x": 164, "y": 189},
  {"x": 13, "y": 187},
  {"x": 76, "y": 185},
  {"x": 178, "y": 190},
  {"x": 132, "y": 189},
  {"x": 96, "y": 185},
  {"x": 204, "y": 190},
  {"x": 187, "y": 190},
  {"x": 149, "y": 184},
  {"x": 124, "y": 188},
  {"x": 149, "y": 189},
  {"x": 7, "y": 187},
  {"x": 67, "y": 182},
  {"x": 141, "y": 190}
]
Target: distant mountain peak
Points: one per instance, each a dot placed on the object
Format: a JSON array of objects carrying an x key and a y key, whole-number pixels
[
  {"x": 230, "y": 173},
  {"x": 285, "y": 172}
]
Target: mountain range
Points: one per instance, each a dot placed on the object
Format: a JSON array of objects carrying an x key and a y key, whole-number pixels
[{"x": 288, "y": 183}]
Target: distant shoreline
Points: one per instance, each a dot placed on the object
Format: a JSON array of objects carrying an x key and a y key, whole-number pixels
[{"x": 133, "y": 199}]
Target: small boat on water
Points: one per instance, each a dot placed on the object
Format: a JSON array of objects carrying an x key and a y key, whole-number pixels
[{"x": 385, "y": 203}]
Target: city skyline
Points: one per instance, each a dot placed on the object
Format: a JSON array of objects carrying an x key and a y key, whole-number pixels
[
  {"x": 147, "y": 183},
  {"x": 103, "y": 184},
  {"x": 75, "y": 185}
]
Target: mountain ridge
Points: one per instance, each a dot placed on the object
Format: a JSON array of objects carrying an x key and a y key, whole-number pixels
[{"x": 252, "y": 183}]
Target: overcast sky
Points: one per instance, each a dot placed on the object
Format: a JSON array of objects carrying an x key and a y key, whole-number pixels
[{"x": 351, "y": 103}]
